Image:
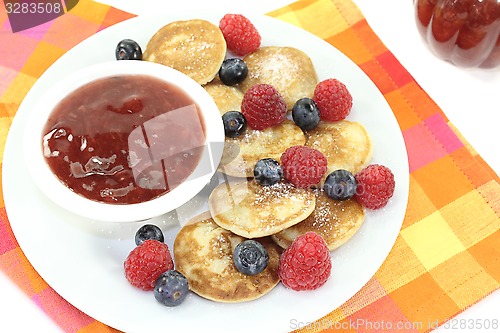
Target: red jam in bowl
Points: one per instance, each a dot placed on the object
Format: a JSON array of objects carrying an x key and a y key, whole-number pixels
[
  {"x": 124, "y": 139},
  {"x": 464, "y": 32}
]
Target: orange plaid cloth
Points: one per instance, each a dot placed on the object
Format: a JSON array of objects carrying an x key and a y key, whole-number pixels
[{"x": 447, "y": 255}]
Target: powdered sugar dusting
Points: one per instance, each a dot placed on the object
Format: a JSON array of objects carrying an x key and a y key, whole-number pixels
[
  {"x": 279, "y": 192},
  {"x": 277, "y": 65},
  {"x": 331, "y": 217}
]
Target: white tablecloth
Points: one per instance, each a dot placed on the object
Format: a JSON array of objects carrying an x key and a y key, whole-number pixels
[{"x": 469, "y": 98}]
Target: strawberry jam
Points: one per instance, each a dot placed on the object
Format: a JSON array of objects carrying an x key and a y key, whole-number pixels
[
  {"x": 124, "y": 139},
  {"x": 465, "y": 32}
]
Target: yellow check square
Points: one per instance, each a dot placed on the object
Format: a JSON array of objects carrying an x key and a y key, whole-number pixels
[
  {"x": 400, "y": 267},
  {"x": 4, "y": 128},
  {"x": 471, "y": 217},
  {"x": 463, "y": 279},
  {"x": 330, "y": 23},
  {"x": 17, "y": 89},
  {"x": 432, "y": 240}
]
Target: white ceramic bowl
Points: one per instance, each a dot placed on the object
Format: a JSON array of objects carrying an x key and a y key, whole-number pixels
[{"x": 53, "y": 188}]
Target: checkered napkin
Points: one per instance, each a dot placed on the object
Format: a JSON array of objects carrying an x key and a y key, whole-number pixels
[{"x": 447, "y": 255}]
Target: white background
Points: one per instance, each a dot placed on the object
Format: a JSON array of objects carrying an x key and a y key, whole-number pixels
[{"x": 469, "y": 98}]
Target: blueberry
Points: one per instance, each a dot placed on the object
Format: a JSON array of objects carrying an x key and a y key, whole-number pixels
[
  {"x": 128, "y": 49},
  {"x": 305, "y": 114},
  {"x": 340, "y": 185},
  {"x": 250, "y": 257},
  {"x": 234, "y": 123},
  {"x": 148, "y": 231},
  {"x": 171, "y": 288},
  {"x": 267, "y": 171},
  {"x": 233, "y": 71}
]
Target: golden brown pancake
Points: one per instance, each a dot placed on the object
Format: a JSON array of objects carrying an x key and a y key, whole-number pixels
[
  {"x": 241, "y": 153},
  {"x": 288, "y": 69},
  {"x": 251, "y": 210},
  {"x": 194, "y": 47},
  {"x": 227, "y": 98},
  {"x": 336, "y": 221},
  {"x": 346, "y": 144},
  {"x": 203, "y": 252}
]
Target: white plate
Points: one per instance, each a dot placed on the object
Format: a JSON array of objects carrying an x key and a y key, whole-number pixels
[{"x": 82, "y": 260}]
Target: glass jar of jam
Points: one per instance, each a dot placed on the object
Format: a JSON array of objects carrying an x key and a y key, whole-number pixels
[{"x": 464, "y": 32}]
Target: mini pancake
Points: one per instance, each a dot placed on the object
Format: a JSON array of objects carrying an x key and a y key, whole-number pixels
[
  {"x": 227, "y": 98},
  {"x": 336, "y": 221},
  {"x": 288, "y": 69},
  {"x": 345, "y": 144},
  {"x": 241, "y": 153},
  {"x": 203, "y": 252},
  {"x": 251, "y": 210},
  {"x": 194, "y": 47}
]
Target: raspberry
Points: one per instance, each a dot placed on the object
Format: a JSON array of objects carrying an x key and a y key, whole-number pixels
[
  {"x": 146, "y": 263},
  {"x": 306, "y": 264},
  {"x": 240, "y": 34},
  {"x": 333, "y": 99},
  {"x": 303, "y": 166},
  {"x": 263, "y": 106},
  {"x": 375, "y": 186}
]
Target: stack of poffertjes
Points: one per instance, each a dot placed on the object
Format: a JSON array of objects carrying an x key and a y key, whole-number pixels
[{"x": 240, "y": 208}]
